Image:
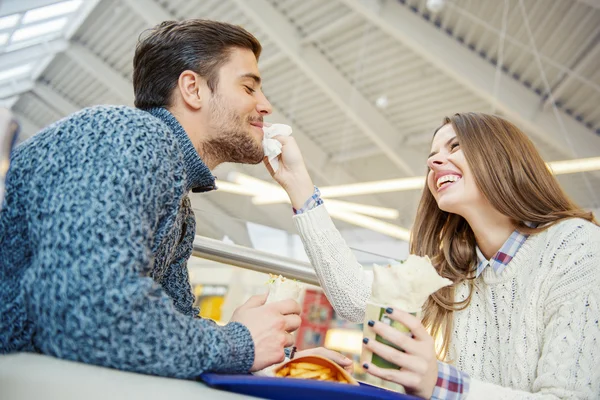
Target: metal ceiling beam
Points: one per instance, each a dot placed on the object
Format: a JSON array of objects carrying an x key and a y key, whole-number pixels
[
  {"x": 35, "y": 52},
  {"x": 15, "y": 88},
  {"x": 151, "y": 11},
  {"x": 271, "y": 61},
  {"x": 28, "y": 127},
  {"x": 518, "y": 103},
  {"x": 328, "y": 78},
  {"x": 592, "y": 3},
  {"x": 14, "y": 6},
  {"x": 84, "y": 11},
  {"x": 328, "y": 29},
  {"x": 99, "y": 69},
  {"x": 54, "y": 100},
  {"x": 345, "y": 156},
  {"x": 583, "y": 63},
  {"x": 44, "y": 51},
  {"x": 8, "y": 102}
]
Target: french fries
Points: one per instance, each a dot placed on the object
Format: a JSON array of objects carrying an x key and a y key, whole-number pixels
[{"x": 307, "y": 370}]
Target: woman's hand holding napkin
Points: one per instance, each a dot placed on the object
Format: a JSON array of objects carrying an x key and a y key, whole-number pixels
[
  {"x": 272, "y": 147},
  {"x": 285, "y": 163}
]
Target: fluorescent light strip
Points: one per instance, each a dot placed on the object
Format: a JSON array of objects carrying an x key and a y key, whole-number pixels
[
  {"x": 39, "y": 30},
  {"x": 415, "y": 183},
  {"x": 234, "y": 188},
  {"x": 254, "y": 190},
  {"x": 373, "y": 224},
  {"x": 51, "y": 11},
  {"x": 355, "y": 189},
  {"x": 15, "y": 72},
  {"x": 373, "y": 211},
  {"x": 4, "y": 38},
  {"x": 9, "y": 21},
  {"x": 573, "y": 166},
  {"x": 262, "y": 187},
  {"x": 391, "y": 185}
]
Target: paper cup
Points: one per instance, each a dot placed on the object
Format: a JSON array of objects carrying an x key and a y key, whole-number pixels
[{"x": 376, "y": 312}]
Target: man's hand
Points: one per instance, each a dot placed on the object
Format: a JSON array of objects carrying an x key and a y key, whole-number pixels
[
  {"x": 292, "y": 174},
  {"x": 270, "y": 326},
  {"x": 334, "y": 356}
]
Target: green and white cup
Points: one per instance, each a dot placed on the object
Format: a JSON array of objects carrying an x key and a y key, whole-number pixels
[{"x": 376, "y": 312}]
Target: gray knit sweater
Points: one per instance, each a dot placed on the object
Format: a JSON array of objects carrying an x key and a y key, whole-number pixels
[{"x": 95, "y": 233}]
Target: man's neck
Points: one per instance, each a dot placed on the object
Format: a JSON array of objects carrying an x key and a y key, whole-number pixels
[
  {"x": 197, "y": 136},
  {"x": 210, "y": 162},
  {"x": 491, "y": 229}
]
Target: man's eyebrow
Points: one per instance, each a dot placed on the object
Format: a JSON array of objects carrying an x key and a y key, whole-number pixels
[
  {"x": 433, "y": 153},
  {"x": 255, "y": 77}
]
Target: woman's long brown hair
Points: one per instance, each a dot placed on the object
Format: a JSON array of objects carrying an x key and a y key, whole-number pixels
[{"x": 513, "y": 177}]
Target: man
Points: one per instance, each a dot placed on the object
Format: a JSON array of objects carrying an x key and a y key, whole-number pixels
[{"x": 97, "y": 225}]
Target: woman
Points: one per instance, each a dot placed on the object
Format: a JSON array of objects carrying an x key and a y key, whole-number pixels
[{"x": 521, "y": 319}]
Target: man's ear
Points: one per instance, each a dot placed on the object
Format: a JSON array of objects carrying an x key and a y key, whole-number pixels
[{"x": 190, "y": 86}]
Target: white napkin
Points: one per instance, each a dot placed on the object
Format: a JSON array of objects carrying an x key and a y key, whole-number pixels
[
  {"x": 272, "y": 147},
  {"x": 406, "y": 286}
]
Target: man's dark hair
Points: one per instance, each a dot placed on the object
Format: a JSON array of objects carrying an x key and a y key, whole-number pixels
[{"x": 202, "y": 46}]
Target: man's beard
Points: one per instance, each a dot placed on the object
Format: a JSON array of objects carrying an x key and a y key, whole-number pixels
[{"x": 233, "y": 142}]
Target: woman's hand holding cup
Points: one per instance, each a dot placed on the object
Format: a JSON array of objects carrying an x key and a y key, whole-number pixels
[{"x": 418, "y": 367}]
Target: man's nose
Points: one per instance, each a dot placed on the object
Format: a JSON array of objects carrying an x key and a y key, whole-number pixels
[{"x": 264, "y": 106}]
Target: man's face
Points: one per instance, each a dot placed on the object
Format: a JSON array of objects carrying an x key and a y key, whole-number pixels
[{"x": 236, "y": 111}]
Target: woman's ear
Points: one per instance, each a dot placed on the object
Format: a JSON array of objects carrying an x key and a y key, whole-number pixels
[{"x": 189, "y": 87}]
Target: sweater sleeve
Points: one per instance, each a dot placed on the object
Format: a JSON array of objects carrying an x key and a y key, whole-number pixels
[
  {"x": 346, "y": 284},
  {"x": 90, "y": 290},
  {"x": 567, "y": 367}
]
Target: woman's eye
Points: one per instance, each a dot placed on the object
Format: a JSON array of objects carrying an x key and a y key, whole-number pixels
[{"x": 454, "y": 145}]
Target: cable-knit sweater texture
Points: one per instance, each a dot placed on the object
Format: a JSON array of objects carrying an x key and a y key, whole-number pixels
[
  {"x": 531, "y": 332},
  {"x": 95, "y": 232}
]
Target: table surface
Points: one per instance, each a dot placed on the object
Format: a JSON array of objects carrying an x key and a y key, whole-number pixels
[{"x": 30, "y": 376}]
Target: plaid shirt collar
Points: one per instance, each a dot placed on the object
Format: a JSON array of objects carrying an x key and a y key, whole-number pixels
[{"x": 506, "y": 253}]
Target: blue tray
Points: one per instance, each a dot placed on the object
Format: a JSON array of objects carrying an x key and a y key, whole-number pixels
[{"x": 297, "y": 389}]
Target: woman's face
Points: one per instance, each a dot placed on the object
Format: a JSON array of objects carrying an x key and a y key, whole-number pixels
[{"x": 450, "y": 180}]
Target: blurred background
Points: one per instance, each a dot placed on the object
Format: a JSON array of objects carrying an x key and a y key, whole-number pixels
[{"x": 363, "y": 84}]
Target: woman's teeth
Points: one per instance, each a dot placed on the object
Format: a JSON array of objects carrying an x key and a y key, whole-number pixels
[{"x": 447, "y": 179}]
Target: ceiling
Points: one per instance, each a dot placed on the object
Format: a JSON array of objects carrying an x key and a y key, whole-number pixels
[{"x": 363, "y": 83}]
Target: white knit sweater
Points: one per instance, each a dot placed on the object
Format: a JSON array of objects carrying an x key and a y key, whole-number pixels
[{"x": 531, "y": 332}]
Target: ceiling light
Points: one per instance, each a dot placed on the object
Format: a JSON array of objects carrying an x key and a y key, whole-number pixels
[
  {"x": 373, "y": 211},
  {"x": 51, "y": 11},
  {"x": 3, "y": 38},
  {"x": 234, "y": 188},
  {"x": 262, "y": 187},
  {"x": 435, "y": 5},
  {"x": 15, "y": 72},
  {"x": 382, "y": 102},
  {"x": 355, "y": 189},
  {"x": 39, "y": 30},
  {"x": 373, "y": 224},
  {"x": 573, "y": 166},
  {"x": 391, "y": 185},
  {"x": 251, "y": 186},
  {"x": 9, "y": 21}
]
